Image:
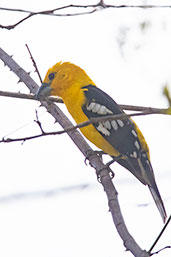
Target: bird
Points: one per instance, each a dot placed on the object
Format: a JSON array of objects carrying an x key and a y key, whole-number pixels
[{"x": 119, "y": 138}]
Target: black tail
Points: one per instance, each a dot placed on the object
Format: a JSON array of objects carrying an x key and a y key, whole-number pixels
[
  {"x": 142, "y": 170},
  {"x": 158, "y": 201}
]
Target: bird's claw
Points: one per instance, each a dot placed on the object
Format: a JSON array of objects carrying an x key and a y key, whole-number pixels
[
  {"x": 111, "y": 173},
  {"x": 90, "y": 153}
]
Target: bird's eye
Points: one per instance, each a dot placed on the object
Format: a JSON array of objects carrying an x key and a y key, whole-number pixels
[{"x": 51, "y": 76}]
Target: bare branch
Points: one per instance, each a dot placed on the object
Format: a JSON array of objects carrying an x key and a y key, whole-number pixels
[
  {"x": 53, "y": 99},
  {"x": 157, "y": 239},
  {"x": 39, "y": 123},
  {"x": 157, "y": 252},
  {"x": 16, "y": 24},
  {"x": 34, "y": 63},
  {"x": 94, "y": 160},
  {"x": 49, "y": 12},
  {"x": 22, "y": 74},
  {"x": 80, "y": 125},
  {"x": 91, "y": 9},
  {"x": 29, "y": 96}
]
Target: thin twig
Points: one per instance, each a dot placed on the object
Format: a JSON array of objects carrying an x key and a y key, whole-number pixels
[
  {"x": 157, "y": 252},
  {"x": 99, "y": 4},
  {"x": 54, "y": 99},
  {"x": 39, "y": 123},
  {"x": 29, "y": 96},
  {"x": 17, "y": 23},
  {"x": 93, "y": 8},
  {"x": 160, "y": 234},
  {"x": 34, "y": 63},
  {"x": 80, "y": 125}
]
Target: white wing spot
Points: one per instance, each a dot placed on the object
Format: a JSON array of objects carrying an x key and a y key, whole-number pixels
[
  {"x": 102, "y": 129},
  {"x": 137, "y": 145},
  {"x": 147, "y": 161},
  {"x": 114, "y": 124},
  {"x": 107, "y": 124},
  {"x": 90, "y": 107},
  {"x": 134, "y": 154},
  {"x": 121, "y": 123},
  {"x": 144, "y": 155},
  {"x": 96, "y": 108},
  {"x": 134, "y": 133},
  {"x": 103, "y": 110}
]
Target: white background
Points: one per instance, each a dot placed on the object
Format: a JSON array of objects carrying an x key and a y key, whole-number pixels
[{"x": 43, "y": 211}]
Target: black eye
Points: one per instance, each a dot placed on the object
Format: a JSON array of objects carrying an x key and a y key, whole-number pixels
[{"x": 51, "y": 76}]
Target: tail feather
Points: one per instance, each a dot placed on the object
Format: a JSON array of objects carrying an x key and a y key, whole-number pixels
[
  {"x": 143, "y": 171},
  {"x": 158, "y": 201}
]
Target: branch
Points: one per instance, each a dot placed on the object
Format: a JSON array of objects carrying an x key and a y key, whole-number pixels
[
  {"x": 94, "y": 160},
  {"x": 93, "y": 8},
  {"x": 157, "y": 239},
  {"x": 29, "y": 96},
  {"x": 53, "y": 99},
  {"x": 144, "y": 111},
  {"x": 157, "y": 252},
  {"x": 34, "y": 63},
  {"x": 80, "y": 125}
]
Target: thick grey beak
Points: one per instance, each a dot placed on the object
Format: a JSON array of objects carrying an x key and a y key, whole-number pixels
[{"x": 43, "y": 91}]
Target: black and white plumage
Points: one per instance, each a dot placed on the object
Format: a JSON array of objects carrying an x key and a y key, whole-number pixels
[{"x": 125, "y": 137}]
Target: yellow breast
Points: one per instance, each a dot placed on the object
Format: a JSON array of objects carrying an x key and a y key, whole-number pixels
[{"x": 74, "y": 99}]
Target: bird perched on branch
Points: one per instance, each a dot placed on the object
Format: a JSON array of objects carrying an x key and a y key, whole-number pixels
[{"x": 120, "y": 138}]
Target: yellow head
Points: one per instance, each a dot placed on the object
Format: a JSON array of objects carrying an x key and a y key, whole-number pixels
[{"x": 61, "y": 78}]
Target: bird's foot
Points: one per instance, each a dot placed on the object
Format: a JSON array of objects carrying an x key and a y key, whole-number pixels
[
  {"x": 107, "y": 166},
  {"x": 99, "y": 176},
  {"x": 90, "y": 153}
]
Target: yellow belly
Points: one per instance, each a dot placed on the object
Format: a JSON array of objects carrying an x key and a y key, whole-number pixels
[
  {"x": 97, "y": 139},
  {"x": 89, "y": 131},
  {"x": 74, "y": 101}
]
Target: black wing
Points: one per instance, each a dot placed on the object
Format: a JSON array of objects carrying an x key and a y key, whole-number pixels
[{"x": 120, "y": 133}]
